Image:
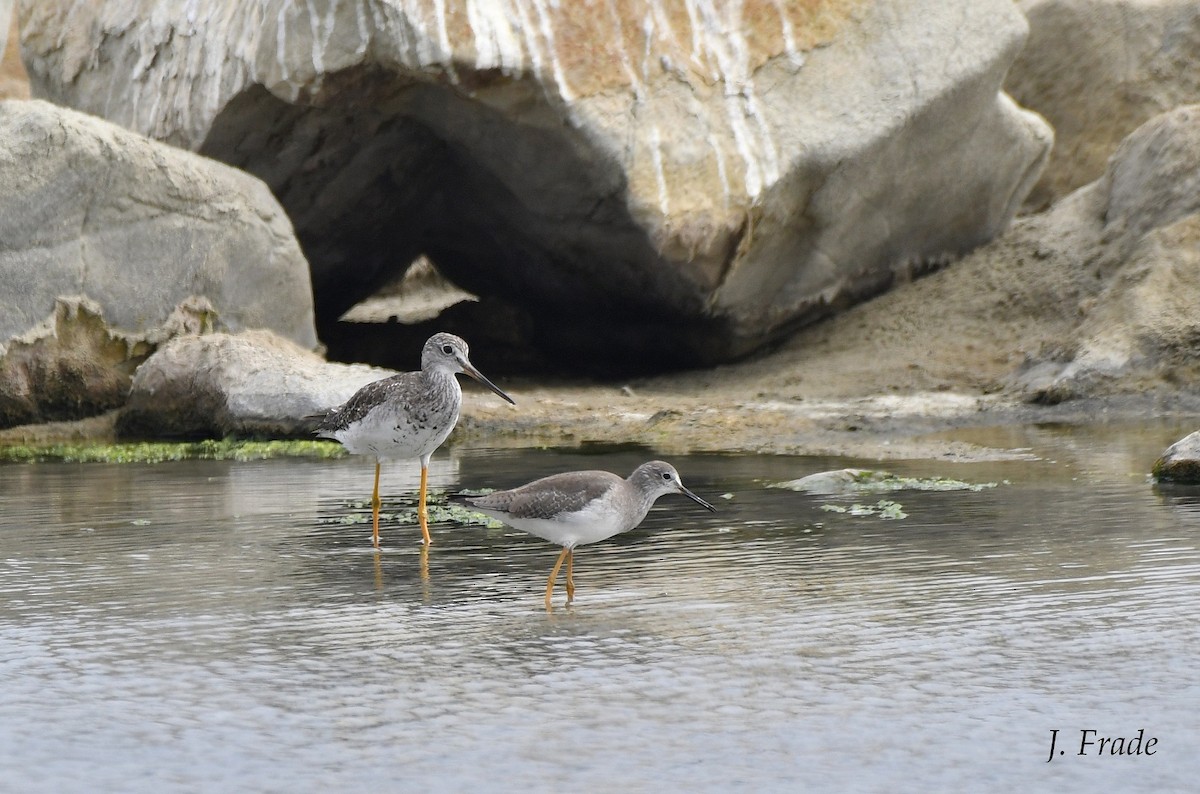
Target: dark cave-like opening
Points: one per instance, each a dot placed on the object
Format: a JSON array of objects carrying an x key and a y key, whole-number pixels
[{"x": 522, "y": 214}]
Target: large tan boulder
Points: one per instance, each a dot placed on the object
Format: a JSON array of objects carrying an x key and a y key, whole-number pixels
[{"x": 667, "y": 183}]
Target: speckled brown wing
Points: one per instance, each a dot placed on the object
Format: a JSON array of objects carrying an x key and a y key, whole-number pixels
[
  {"x": 550, "y": 496},
  {"x": 364, "y": 400}
]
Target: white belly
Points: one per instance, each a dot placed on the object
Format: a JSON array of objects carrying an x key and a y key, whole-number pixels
[
  {"x": 570, "y": 530},
  {"x": 387, "y": 435}
]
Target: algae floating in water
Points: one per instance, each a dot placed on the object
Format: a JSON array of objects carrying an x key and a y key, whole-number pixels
[
  {"x": 441, "y": 511},
  {"x": 884, "y": 508}
]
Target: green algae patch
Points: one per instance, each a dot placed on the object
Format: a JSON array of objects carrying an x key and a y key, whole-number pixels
[
  {"x": 161, "y": 451},
  {"x": 1184, "y": 472},
  {"x": 884, "y": 508},
  {"x": 404, "y": 512}
]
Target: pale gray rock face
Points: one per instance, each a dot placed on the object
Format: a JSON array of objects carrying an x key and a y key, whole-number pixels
[
  {"x": 110, "y": 244},
  {"x": 1097, "y": 70},
  {"x": 669, "y": 181},
  {"x": 250, "y": 384},
  {"x": 90, "y": 209}
]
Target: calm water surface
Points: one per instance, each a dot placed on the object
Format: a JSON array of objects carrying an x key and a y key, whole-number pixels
[{"x": 218, "y": 626}]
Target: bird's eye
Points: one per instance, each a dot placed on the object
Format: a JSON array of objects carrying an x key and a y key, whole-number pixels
[
  {"x": 447, "y": 350},
  {"x": 666, "y": 475}
]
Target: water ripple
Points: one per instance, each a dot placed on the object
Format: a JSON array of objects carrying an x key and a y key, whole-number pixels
[{"x": 214, "y": 626}]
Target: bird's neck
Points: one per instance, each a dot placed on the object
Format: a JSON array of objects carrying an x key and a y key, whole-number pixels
[
  {"x": 646, "y": 500},
  {"x": 438, "y": 375}
]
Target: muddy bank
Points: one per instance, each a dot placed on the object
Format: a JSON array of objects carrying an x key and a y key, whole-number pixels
[
  {"x": 881, "y": 427},
  {"x": 735, "y": 417}
]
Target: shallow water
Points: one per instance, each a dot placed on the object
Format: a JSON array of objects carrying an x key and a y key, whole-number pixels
[{"x": 217, "y": 626}]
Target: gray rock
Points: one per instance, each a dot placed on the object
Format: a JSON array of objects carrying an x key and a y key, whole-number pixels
[
  {"x": 1153, "y": 178},
  {"x": 678, "y": 187},
  {"x": 75, "y": 365},
  {"x": 1133, "y": 237},
  {"x": 1097, "y": 70},
  {"x": 1180, "y": 462},
  {"x": 90, "y": 209},
  {"x": 250, "y": 384},
  {"x": 837, "y": 481}
]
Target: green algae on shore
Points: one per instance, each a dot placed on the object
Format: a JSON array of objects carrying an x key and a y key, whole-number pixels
[{"x": 159, "y": 452}]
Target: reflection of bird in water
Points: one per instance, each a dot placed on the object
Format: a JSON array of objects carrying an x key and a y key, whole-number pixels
[
  {"x": 424, "y": 569},
  {"x": 580, "y": 507},
  {"x": 406, "y": 416}
]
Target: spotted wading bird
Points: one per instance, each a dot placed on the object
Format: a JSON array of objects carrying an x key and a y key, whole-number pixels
[
  {"x": 580, "y": 507},
  {"x": 406, "y": 416}
]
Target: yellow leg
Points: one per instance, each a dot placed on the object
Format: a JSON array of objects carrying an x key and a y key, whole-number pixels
[
  {"x": 422, "y": 513},
  {"x": 570, "y": 576},
  {"x": 375, "y": 503},
  {"x": 554, "y": 575}
]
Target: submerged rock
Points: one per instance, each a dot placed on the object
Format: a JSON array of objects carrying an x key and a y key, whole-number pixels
[
  {"x": 250, "y": 384},
  {"x": 664, "y": 185},
  {"x": 1180, "y": 462},
  {"x": 851, "y": 481}
]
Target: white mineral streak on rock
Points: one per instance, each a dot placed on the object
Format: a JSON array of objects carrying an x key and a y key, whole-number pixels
[
  {"x": 364, "y": 33},
  {"x": 516, "y": 36},
  {"x": 439, "y": 14},
  {"x": 428, "y": 54},
  {"x": 651, "y": 25},
  {"x": 280, "y": 39},
  {"x": 664, "y": 201},
  {"x": 525, "y": 27},
  {"x": 546, "y": 26},
  {"x": 718, "y": 39},
  {"x": 789, "y": 36},
  {"x": 635, "y": 83},
  {"x": 497, "y": 43},
  {"x": 319, "y": 33}
]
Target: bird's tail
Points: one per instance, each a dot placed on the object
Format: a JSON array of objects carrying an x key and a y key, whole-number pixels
[{"x": 319, "y": 431}]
